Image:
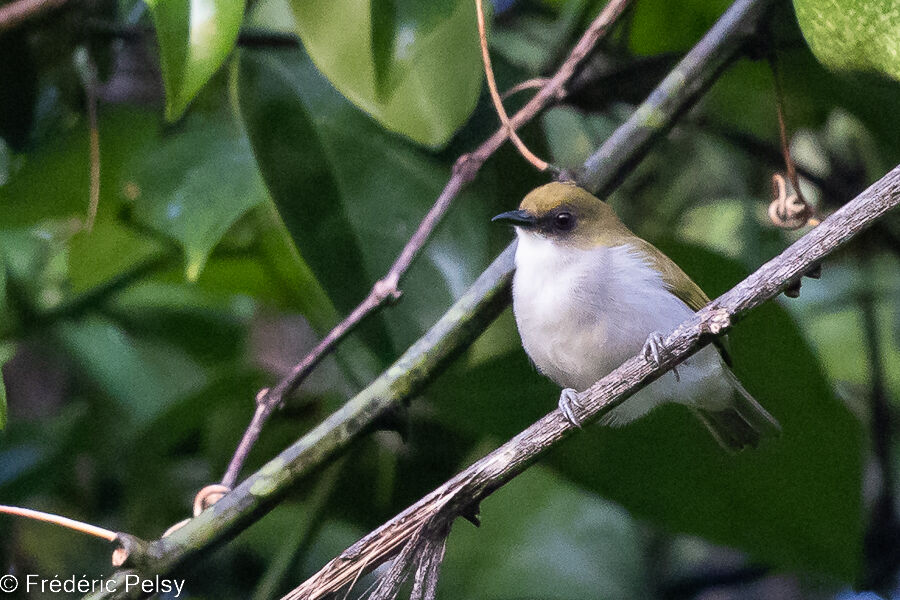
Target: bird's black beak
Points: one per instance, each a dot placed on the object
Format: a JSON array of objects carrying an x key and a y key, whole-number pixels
[{"x": 522, "y": 218}]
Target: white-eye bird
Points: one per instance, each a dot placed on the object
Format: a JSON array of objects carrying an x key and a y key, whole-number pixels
[{"x": 589, "y": 294}]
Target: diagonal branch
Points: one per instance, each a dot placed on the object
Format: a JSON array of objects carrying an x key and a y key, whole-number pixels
[
  {"x": 527, "y": 154},
  {"x": 700, "y": 67},
  {"x": 386, "y": 288},
  {"x": 261, "y": 491},
  {"x": 457, "y": 329},
  {"x": 493, "y": 471}
]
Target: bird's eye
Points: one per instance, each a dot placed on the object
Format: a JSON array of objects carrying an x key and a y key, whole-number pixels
[{"x": 564, "y": 221}]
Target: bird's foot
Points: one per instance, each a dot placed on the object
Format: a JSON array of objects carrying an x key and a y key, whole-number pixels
[
  {"x": 568, "y": 403},
  {"x": 653, "y": 350}
]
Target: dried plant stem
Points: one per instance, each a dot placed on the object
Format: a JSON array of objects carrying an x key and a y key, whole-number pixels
[
  {"x": 540, "y": 165},
  {"x": 72, "y": 524},
  {"x": 496, "y": 469},
  {"x": 787, "y": 208},
  {"x": 465, "y": 320},
  {"x": 528, "y": 84},
  {"x": 386, "y": 288},
  {"x": 693, "y": 75}
]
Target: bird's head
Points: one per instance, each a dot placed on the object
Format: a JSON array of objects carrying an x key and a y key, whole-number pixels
[{"x": 568, "y": 215}]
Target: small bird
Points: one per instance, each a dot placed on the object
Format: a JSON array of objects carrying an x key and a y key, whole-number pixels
[{"x": 589, "y": 294}]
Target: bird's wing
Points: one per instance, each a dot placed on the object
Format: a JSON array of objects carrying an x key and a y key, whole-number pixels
[{"x": 683, "y": 287}]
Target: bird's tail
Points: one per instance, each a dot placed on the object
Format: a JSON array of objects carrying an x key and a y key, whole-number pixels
[{"x": 744, "y": 423}]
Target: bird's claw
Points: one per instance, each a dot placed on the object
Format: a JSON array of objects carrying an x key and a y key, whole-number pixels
[
  {"x": 653, "y": 350},
  {"x": 568, "y": 403}
]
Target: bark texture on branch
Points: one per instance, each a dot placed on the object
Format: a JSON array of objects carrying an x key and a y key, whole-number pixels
[
  {"x": 488, "y": 296},
  {"x": 471, "y": 486},
  {"x": 618, "y": 155},
  {"x": 387, "y": 288},
  {"x": 458, "y": 328}
]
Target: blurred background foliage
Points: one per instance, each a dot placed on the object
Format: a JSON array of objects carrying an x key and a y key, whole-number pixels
[{"x": 252, "y": 188}]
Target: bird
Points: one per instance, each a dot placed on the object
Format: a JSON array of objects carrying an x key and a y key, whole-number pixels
[{"x": 588, "y": 294}]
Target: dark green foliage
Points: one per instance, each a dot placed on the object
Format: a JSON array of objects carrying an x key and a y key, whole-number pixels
[{"x": 227, "y": 243}]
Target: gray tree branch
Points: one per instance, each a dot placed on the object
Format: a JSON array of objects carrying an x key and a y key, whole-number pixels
[
  {"x": 387, "y": 288},
  {"x": 459, "y": 495},
  {"x": 458, "y": 328}
]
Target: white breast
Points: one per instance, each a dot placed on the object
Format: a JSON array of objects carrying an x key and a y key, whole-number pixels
[{"x": 581, "y": 313}]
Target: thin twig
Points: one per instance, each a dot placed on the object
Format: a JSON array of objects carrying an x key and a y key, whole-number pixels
[
  {"x": 16, "y": 13},
  {"x": 790, "y": 211},
  {"x": 700, "y": 67},
  {"x": 782, "y": 130},
  {"x": 72, "y": 524},
  {"x": 540, "y": 165},
  {"x": 464, "y": 321},
  {"x": 386, "y": 288},
  {"x": 481, "y": 479},
  {"x": 352, "y": 584},
  {"x": 528, "y": 84}
]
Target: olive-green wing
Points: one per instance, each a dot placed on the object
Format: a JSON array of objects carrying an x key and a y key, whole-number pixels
[{"x": 683, "y": 287}]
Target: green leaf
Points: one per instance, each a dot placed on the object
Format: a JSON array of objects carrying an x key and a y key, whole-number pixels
[
  {"x": 53, "y": 181},
  {"x": 142, "y": 377},
  {"x": 573, "y": 136},
  {"x": 793, "y": 503},
  {"x": 541, "y": 537},
  {"x": 531, "y": 39},
  {"x": 413, "y": 66},
  {"x": 110, "y": 250},
  {"x": 659, "y": 26},
  {"x": 209, "y": 327},
  {"x": 288, "y": 267},
  {"x": 383, "y": 21},
  {"x": 194, "y": 186},
  {"x": 853, "y": 35},
  {"x": 195, "y": 37},
  {"x": 276, "y": 276},
  {"x": 35, "y": 262},
  {"x": 351, "y": 196}
]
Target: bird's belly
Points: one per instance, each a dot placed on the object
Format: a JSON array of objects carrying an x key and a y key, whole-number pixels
[
  {"x": 576, "y": 332},
  {"x": 572, "y": 352},
  {"x": 573, "y": 356}
]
